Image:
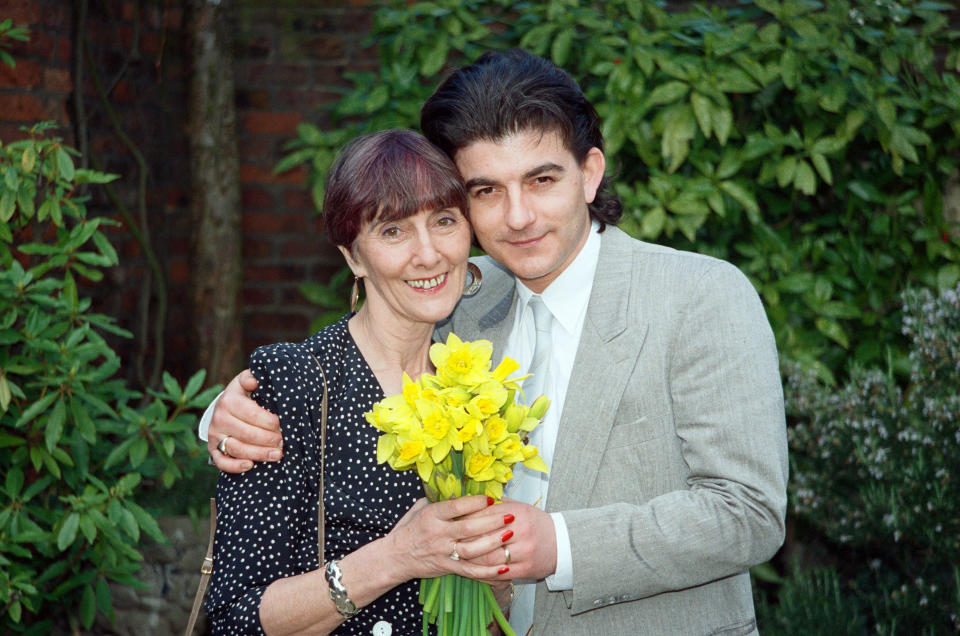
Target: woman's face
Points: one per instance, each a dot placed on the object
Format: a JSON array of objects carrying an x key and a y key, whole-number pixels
[{"x": 413, "y": 268}]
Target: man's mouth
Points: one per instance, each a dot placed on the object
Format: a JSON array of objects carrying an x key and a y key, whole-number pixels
[
  {"x": 428, "y": 283},
  {"x": 525, "y": 241}
]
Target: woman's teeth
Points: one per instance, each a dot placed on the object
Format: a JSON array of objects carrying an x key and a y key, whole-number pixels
[{"x": 428, "y": 283}]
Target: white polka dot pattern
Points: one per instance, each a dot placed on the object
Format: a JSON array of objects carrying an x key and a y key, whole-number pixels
[{"x": 267, "y": 517}]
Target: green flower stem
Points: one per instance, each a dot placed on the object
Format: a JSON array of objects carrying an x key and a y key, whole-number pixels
[{"x": 501, "y": 619}]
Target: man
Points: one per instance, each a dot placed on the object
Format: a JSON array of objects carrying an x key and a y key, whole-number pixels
[{"x": 666, "y": 439}]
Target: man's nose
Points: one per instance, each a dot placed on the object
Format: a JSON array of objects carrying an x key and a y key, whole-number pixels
[{"x": 519, "y": 214}]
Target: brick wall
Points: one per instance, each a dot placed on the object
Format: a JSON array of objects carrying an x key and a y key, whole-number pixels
[{"x": 289, "y": 58}]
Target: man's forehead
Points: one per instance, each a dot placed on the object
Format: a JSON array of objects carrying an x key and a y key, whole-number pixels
[{"x": 515, "y": 153}]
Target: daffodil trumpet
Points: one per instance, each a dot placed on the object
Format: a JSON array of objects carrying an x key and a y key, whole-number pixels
[{"x": 463, "y": 432}]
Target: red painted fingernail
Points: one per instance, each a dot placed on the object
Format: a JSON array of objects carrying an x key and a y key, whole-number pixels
[
  {"x": 506, "y": 536},
  {"x": 503, "y": 570},
  {"x": 490, "y": 501},
  {"x": 508, "y": 518}
]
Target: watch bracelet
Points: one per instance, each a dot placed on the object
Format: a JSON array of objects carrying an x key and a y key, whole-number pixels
[{"x": 338, "y": 593}]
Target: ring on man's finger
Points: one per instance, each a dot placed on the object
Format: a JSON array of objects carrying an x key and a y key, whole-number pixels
[
  {"x": 506, "y": 555},
  {"x": 222, "y": 446},
  {"x": 454, "y": 554}
]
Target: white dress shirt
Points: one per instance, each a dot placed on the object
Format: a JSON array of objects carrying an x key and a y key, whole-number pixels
[{"x": 566, "y": 298}]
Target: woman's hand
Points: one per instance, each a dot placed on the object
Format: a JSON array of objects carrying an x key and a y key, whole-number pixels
[
  {"x": 532, "y": 546},
  {"x": 427, "y": 536}
]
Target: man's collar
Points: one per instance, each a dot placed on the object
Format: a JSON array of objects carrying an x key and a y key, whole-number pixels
[{"x": 569, "y": 293}]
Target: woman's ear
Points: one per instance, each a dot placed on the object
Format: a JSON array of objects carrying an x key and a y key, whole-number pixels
[
  {"x": 352, "y": 263},
  {"x": 592, "y": 167}
]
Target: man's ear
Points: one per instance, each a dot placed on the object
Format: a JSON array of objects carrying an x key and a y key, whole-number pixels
[
  {"x": 352, "y": 263},
  {"x": 593, "y": 167}
]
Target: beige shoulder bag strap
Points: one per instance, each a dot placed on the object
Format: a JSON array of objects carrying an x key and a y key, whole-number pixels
[
  {"x": 207, "y": 568},
  {"x": 323, "y": 454}
]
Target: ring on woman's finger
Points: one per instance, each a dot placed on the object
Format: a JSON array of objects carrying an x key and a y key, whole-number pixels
[
  {"x": 453, "y": 553},
  {"x": 506, "y": 555},
  {"x": 222, "y": 446}
]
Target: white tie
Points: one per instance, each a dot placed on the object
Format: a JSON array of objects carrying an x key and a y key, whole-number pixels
[
  {"x": 527, "y": 485},
  {"x": 542, "y": 320}
]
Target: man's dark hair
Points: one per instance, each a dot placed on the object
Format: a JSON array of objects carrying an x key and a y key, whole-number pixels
[{"x": 504, "y": 93}]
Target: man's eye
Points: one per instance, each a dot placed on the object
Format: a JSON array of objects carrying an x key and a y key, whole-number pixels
[
  {"x": 483, "y": 192},
  {"x": 543, "y": 180}
]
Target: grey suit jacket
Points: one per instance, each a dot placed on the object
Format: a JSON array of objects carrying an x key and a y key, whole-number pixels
[{"x": 670, "y": 467}]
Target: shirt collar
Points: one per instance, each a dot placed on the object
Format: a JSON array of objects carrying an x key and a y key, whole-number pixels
[{"x": 567, "y": 296}]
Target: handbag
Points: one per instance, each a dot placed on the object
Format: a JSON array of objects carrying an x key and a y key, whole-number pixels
[{"x": 206, "y": 569}]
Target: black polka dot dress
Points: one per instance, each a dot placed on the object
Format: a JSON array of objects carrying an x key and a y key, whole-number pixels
[{"x": 267, "y": 517}]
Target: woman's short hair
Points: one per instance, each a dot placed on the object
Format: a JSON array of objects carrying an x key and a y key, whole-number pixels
[
  {"x": 387, "y": 176},
  {"x": 507, "y": 92}
]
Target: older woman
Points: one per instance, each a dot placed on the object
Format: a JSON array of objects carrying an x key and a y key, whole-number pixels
[{"x": 394, "y": 205}]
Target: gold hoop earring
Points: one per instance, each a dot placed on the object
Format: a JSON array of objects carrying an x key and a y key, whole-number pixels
[
  {"x": 354, "y": 294},
  {"x": 473, "y": 280}
]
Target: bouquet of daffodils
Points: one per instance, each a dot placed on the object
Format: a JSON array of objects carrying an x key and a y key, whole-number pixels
[{"x": 463, "y": 432}]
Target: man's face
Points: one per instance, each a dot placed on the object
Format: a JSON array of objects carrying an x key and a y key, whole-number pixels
[{"x": 528, "y": 202}]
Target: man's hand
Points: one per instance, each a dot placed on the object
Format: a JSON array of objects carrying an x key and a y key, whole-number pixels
[{"x": 253, "y": 433}]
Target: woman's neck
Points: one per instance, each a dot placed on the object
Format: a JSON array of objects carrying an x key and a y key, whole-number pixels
[{"x": 392, "y": 347}]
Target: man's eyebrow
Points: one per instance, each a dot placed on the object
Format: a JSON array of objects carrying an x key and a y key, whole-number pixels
[
  {"x": 479, "y": 181},
  {"x": 529, "y": 174},
  {"x": 539, "y": 170}
]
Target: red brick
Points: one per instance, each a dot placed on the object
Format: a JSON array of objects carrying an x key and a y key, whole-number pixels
[
  {"x": 253, "y": 99},
  {"x": 64, "y": 49},
  {"x": 276, "y": 273},
  {"x": 22, "y": 12},
  {"x": 178, "y": 271},
  {"x": 122, "y": 93},
  {"x": 25, "y": 74},
  {"x": 278, "y": 322},
  {"x": 303, "y": 98},
  {"x": 256, "y": 199},
  {"x": 275, "y": 222},
  {"x": 25, "y": 107},
  {"x": 11, "y": 132},
  {"x": 57, "y": 18},
  {"x": 260, "y": 147},
  {"x": 257, "y": 246},
  {"x": 272, "y": 123},
  {"x": 57, "y": 80},
  {"x": 149, "y": 44},
  {"x": 305, "y": 246},
  {"x": 173, "y": 18},
  {"x": 250, "y": 173},
  {"x": 254, "y": 297},
  {"x": 299, "y": 199},
  {"x": 271, "y": 74}
]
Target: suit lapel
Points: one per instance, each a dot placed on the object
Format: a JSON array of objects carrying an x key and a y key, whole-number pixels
[{"x": 613, "y": 333}]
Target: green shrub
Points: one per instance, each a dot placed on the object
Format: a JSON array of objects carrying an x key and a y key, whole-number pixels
[
  {"x": 876, "y": 469},
  {"x": 808, "y": 142},
  {"x": 79, "y": 448}
]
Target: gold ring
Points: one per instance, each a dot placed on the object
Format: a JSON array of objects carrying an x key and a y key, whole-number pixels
[
  {"x": 506, "y": 555},
  {"x": 222, "y": 446},
  {"x": 454, "y": 554}
]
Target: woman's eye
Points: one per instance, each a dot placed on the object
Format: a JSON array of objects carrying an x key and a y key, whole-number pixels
[{"x": 390, "y": 232}]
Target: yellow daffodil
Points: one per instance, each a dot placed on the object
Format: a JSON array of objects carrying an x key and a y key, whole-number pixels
[
  {"x": 462, "y": 363},
  {"x": 463, "y": 432}
]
